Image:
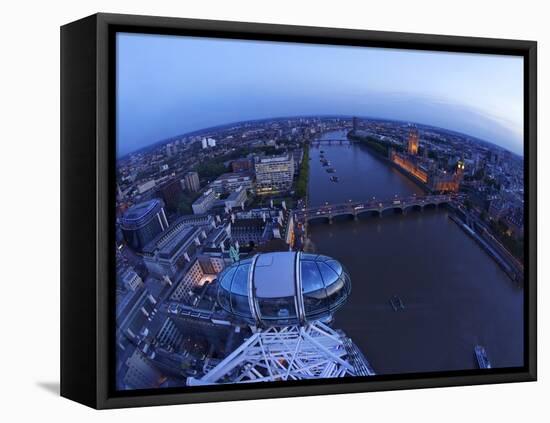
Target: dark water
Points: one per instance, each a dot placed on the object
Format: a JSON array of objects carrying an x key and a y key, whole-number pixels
[{"x": 455, "y": 295}]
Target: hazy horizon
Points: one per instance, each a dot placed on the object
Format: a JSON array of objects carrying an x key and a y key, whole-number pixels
[{"x": 171, "y": 85}]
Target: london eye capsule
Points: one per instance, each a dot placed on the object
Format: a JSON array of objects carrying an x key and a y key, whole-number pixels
[{"x": 283, "y": 288}]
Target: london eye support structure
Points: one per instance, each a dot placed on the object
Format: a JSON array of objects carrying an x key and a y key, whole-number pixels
[{"x": 288, "y": 300}]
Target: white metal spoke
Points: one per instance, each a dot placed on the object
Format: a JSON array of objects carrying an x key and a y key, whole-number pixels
[{"x": 291, "y": 352}]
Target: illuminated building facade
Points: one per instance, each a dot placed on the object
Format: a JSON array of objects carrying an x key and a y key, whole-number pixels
[
  {"x": 274, "y": 174},
  {"x": 436, "y": 180},
  {"x": 413, "y": 141},
  {"x": 445, "y": 181},
  {"x": 191, "y": 280},
  {"x": 411, "y": 166},
  {"x": 203, "y": 268}
]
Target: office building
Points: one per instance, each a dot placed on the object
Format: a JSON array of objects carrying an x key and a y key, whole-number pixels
[
  {"x": 204, "y": 202},
  {"x": 171, "y": 192},
  {"x": 254, "y": 230},
  {"x": 274, "y": 174},
  {"x": 195, "y": 220},
  {"x": 229, "y": 182},
  {"x": 236, "y": 199},
  {"x": 192, "y": 279},
  {"x": 131, "y": 280},
  {"x": 143, "y": 222},
  {"x": 204, "y": 268},
  {"x": 170, "y": 149},
  {"x": 241, "y": 165},
  {"x": 141, "y": 373},
  {"x": 218, "y": 237},
  {"x": 208, "y": 143},
  {"x": 169, "y": 337},
  {"x": 297, "y": 157},
  {"x": 191, "y": 181},
  {"x": 132, "y": 312},
  {"x": 211, "y": 265},
  {"x": 169, "y": 252},
  {"x": 146, "y": 186}
]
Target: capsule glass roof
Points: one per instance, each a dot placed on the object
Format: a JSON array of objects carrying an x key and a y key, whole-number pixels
[{"x": 283, "y": 291}]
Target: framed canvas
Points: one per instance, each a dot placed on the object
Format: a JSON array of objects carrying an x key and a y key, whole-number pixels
[{"x": 258, "y": 211}]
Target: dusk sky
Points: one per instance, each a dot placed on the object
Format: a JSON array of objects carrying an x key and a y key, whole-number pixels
[{"x": 170, "y": 85}]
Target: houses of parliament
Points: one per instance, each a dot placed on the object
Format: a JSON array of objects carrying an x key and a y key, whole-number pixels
[{"x": 424, "y": 169}]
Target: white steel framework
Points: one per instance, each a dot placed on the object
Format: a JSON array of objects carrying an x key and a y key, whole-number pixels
[{"x": 289, "y": 353}]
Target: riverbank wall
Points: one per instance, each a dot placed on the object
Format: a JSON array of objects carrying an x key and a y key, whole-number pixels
[
  {"x": 386, "y": 159},
  {"x": 509, "y": 267}
]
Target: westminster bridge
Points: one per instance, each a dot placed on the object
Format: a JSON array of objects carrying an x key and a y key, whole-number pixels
[{"x": 355, "y": 209}]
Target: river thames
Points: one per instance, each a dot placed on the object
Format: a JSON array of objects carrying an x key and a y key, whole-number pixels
[{"x": 455, "y": 296}]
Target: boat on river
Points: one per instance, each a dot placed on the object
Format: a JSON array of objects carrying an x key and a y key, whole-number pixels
[
  {"x": 396, "y": 303},
  {"x": 482, "y": 358}
]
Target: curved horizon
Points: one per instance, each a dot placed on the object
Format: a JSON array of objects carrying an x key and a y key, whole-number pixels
[
  {"x": 170, "y": 85},
  {"x": 274, "y": 118}
]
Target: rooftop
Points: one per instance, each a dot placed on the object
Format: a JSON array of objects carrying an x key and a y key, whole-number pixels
[
  {"x": 248, "y": 223},
  {"x": 140, "y": 210},
  {"x": 235, "y": 194},
  {"x": 274, "y": 159},
  {"x": 173, "y": 238},
  {"x": 207, "y": 195},
  {"x": 232, "y": 176}
]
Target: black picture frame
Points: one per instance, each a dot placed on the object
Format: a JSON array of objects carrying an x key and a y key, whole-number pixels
[{"x": 87, "y": 212}]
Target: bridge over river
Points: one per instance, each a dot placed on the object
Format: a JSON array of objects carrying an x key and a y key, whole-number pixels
[
  {"x": 332, "y": 141},
  {"x": 373, "y": 206}
]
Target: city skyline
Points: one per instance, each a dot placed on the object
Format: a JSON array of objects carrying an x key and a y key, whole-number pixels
[
  {"x": 271, "y": 175},
  {"x": 161, "y": 94},
  {"x": 258, "y": 225}
]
